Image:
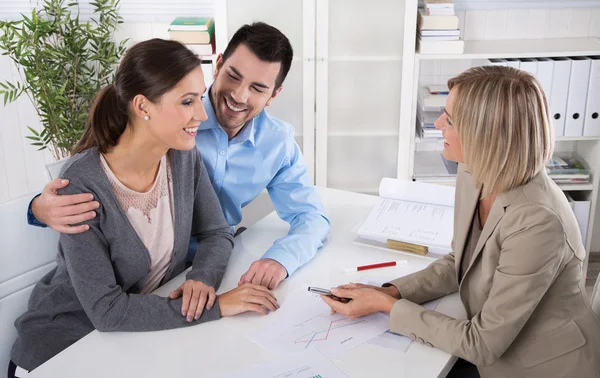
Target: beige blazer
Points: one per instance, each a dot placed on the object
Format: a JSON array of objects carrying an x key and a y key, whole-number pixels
[{"x": 528, "y": 314}]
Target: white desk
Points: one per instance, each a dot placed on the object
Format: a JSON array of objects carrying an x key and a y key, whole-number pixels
[{"x": 216, "y": 348}]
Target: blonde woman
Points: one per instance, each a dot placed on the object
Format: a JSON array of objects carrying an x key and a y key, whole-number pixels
[{"x": 518, "y": 255}]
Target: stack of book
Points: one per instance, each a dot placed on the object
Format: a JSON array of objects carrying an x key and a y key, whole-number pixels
[
  {"x": 567, "y": 170},
  {"x": 430, "y": 106},
  {"x": 197, "y": 33},
  {"x": 438, "y": 31}
]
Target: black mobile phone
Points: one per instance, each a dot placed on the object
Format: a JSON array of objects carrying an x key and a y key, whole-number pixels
[{"x": 321, "y": 291}]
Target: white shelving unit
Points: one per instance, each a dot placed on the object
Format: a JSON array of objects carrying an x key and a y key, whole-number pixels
[
  {"x": 423, "y": 157},
  {"x": 351, "y": 93}
]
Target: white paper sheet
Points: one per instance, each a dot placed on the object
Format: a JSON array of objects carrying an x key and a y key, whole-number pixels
[
  {"x": 304, "y": 321},
  {"x": 304, "y": 364},
  {"x": 416, "y": 191},
  {"x": 412, "y": 222},
  {"x": 389, "y": 339}
]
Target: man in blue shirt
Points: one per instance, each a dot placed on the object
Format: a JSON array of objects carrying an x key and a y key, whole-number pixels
[{"x": 245, "y": 150}]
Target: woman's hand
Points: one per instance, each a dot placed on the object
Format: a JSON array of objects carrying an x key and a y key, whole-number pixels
[
  {"x": 392, "y": 290},
  {"x": 195, "y": 296},
  {"x": 365, "y": 300},
  {"x": 247, "y": 297}
]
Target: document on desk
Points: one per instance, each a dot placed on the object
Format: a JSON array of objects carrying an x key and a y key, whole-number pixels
[
  {"x": 305, "y": 364},
  {"x": 304, "y": 322},
  {"x": 410, "y": 212},
  {"x": 389, "y": 339}
]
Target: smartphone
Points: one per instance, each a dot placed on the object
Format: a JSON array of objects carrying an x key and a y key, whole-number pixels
[{"x": 321, "y": 291}]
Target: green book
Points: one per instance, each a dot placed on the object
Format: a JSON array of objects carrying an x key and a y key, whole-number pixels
[{"x": 191, "y": 24}]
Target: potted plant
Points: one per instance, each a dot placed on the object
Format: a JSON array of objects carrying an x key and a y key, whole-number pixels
[{"x": 62, "y": 62}]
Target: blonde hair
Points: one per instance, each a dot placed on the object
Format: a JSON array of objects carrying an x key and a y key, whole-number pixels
[{"x": 502, "y": 119}]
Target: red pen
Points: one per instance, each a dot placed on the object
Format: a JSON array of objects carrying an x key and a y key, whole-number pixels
[{"x": 375, "y": 266}]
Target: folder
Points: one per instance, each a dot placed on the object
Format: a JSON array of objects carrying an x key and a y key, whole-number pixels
[
  {"x": 591, "y": 124},
  {"x": 544, "y": 75},
  {"x": 580, "y": 203},
  {"x": 497, "y": 62},
  {"x": 511, "y": 62},
  {"x": 576, "y": 99},
  {"x": 561, "y": 76},
  {"x": 529, "y": 65}
]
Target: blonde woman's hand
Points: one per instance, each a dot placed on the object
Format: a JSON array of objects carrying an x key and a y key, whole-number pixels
[
  {"x": 196, "y": 295},
  {"x": 391, "y": 290},
  {"x": 247, "y": 297},
  {"x": 364, "y": 301}
]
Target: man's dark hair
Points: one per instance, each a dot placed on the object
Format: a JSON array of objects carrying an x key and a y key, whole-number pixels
[{"x": 267, "y": 43}]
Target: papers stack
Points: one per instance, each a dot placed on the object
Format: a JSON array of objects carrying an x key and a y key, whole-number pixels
[{"x": 438, "y": 31}]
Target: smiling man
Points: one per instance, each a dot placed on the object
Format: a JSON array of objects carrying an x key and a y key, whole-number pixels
[{"x": 245, "y": 150}]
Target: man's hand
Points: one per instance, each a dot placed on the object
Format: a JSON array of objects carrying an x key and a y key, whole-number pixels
[
  {"x": 60, "y": 212},
  {"x": 247, "y": 297},
  {"x": 265, "y": 272},
  {"x": 365, "y": 301},
  {"x": 196, "y": 295}
]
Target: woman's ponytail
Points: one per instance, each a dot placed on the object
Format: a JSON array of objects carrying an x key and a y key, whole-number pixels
[{"x": 106, "y": 121}]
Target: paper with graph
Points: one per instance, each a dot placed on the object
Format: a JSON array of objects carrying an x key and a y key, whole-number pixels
[
  {"x": 304, "y": 321},
  {"x": 305, "y": 364}
]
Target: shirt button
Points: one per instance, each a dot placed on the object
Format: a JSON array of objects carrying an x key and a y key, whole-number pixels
[
  {"x": 221, "y": 152},
  {"x": 429, "y": 345},
  {"x": 217, "y": 182},
  {"x": 421, "y": 341},
  {"x": 413, "y": 336}
]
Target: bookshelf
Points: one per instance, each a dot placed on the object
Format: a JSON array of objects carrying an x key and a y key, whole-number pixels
[{"x": 422, "y": 155}]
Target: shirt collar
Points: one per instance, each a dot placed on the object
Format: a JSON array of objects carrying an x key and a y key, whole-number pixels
[{"x": 246, "y": 134}]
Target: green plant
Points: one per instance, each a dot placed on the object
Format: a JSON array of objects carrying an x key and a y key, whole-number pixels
[{"x": 62, "y": 62}]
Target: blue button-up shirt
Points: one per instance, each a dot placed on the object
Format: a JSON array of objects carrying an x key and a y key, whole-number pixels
[{"x": 263, "y": 155}]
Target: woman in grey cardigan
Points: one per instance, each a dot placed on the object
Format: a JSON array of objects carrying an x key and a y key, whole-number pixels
[{"x": 138, "y": 159}]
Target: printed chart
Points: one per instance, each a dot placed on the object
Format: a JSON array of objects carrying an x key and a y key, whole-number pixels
[{"x": 305, "y": 321}]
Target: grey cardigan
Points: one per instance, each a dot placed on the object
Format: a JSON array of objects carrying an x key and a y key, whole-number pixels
[{"x": 100, "y": 272}]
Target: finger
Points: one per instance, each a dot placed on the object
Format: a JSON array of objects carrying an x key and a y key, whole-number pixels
[
  {"x": 275, "y": 282},
  {"x": 202, "y": 299},
  {"x": 258, "y": 277},
  {"x": 249, "y": 275},
  {"x": 242, "y": 279},
  {"x": 255, "y": 308},
  {"x": 212, "y": 297},
  {"x": 265, "y": 292},
  {"x": 335, "y": 305},
  {"x": 75, "y": 199},
  {"x": 266, "y": 280},
  {"x": 263, "y": 301},
  {"x": 54, "y": 185},
  {"x": 194, "y": 299},
  {"x": 269, "y": 298},
  {"x": 77, "y": 209},
  {"x": 71, "y": 229},
  {"x": 187, "y": 295},
  {"x": 344, "y": 293},
  {"x": 349, "y": 286},
  {"x": 176, "y": 293},
  {"x": 76, "y": 219}
]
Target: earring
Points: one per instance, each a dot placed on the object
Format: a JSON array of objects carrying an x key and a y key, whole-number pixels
[{"x": 146, "y": 117}]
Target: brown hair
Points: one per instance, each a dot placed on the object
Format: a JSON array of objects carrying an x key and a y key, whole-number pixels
[
  {"x": 502, "y": 118},
  {"x": 150, "y": 68}
]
